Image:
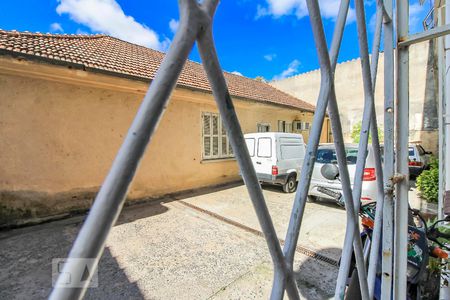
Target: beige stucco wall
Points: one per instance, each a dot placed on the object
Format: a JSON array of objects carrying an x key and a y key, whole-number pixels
[
  {"x": 60, "y": 130},
  {"x": 350, "y": 93}
]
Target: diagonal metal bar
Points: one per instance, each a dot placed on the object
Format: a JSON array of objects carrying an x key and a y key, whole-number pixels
[
  {"x": 314, "y": 137},
  {"x": 313, "y": 142},
  {"x": 388, "y": 206},
  {"x": 376, "y": 234},
  {"x": 325, "y": 90},
  {"x": 283, "y": 274},
  {"x": 368, "y": 123},
  {"x": 109, "y": 201}
]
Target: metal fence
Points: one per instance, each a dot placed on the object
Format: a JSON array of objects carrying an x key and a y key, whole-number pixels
[{"x": 196, "y": 21}]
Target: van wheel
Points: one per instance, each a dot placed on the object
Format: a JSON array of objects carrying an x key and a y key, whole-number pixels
[{"x": 291, "y": 185}]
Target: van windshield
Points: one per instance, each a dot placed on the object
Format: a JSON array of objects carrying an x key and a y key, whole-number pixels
[{"x": 328, "y": 156}]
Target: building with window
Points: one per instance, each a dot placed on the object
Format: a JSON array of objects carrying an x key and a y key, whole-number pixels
[
  {"x": 348, "y": 84},
  {"x": 66, "y": 103}
]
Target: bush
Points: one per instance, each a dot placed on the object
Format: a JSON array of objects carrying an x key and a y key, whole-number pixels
[
  {"x": 428, "y": 182},
  {"x": 356, "y": 131}
]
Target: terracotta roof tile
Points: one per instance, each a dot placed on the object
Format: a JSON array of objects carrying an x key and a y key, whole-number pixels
[{"x": 122, "y": 58}]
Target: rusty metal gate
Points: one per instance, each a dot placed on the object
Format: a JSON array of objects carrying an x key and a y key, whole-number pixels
[{"x": 196, "y": 20}]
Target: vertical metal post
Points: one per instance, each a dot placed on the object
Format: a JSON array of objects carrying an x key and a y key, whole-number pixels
[
  {"x": 444, "y": 127},
  {"x": 388, "y": 206},
  {"x": 441, "y": 108},
  {"x": 447, "y": 102},
  {"x": 402, "y": 128},
  {"x": 376, "y": 234}
]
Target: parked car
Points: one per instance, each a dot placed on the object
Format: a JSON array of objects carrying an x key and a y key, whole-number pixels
[
  {"x": 419, "y": 159},
  {"x": 277, "y": 157},
  {"x": 326, "y": 154}
]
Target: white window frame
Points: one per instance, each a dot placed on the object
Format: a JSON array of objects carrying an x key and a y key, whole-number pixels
[
  {"x": 262, "y": 125},
  {"x": 284, "y": 126},
  {"x": 296, "y": 126},
  {"x": 221, "y": 153}
]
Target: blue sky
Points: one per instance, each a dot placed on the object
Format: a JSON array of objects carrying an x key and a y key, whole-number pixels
[{"x": 269, "y": 38}]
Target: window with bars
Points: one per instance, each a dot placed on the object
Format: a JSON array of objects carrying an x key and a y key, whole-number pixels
[{"x": 214, "y": 138}]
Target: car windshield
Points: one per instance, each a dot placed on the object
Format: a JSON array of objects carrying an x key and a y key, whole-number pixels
[
  {"x": 411, "y": 151},
  {"x": 328, "y": 155},
  {"x": 421, "y": 150}
]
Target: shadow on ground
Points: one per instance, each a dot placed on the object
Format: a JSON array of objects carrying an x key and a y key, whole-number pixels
[
  {"x": 317, "y": 279},
  {"x": 150, "y": 207},
  {"x": 26, "y": 253},
  {"x": 26, "y": 261}
]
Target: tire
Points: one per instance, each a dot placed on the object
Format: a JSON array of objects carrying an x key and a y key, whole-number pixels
[{"x": 291, "y": 184}]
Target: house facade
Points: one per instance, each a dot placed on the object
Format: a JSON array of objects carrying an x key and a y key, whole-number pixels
[{"x": 66, "y": 103}]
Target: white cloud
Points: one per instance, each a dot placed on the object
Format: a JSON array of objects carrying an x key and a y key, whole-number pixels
[
  {"x": 80, "y": 31},
  {"x": 237, "y": 73},
  {"x": 416, "y": 16},
  {"x": 291, "y": 70},
  {"x": 279, "y": 8},
  {"x": 372, "y": 23},
  {"x": 173, "y": 25},
  {"x": 54, "y": 27},
  {"x": 270, "y": 57},
  {"x": 106, "y": 16}
]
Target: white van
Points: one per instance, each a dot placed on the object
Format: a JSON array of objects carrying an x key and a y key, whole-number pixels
[{"x": 277, "y": 157}]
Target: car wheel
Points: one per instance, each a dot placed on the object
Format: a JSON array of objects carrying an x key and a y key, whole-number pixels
[{"x": 291, "y": 185}]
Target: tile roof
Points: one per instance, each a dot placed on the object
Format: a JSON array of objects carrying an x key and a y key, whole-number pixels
[{"x": 117, "y": 57}]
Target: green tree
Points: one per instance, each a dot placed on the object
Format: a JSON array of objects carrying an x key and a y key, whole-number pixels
[{"x": 356, "y": 131}]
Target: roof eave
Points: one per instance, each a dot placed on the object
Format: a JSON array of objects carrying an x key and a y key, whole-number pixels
[{"x": 81, "y": 66}]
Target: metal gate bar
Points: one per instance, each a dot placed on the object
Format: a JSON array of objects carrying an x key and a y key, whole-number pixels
[
  {"x": 106, "y": 208},
  {"x": 388, "y": 205},
  {"x": 314, "y": 137},
  {"x": 402, "y": 139},
  {"x": 283, "y": 274},
  {"x": 196, "y": 24},
  {"x": 376, "y": 234}
]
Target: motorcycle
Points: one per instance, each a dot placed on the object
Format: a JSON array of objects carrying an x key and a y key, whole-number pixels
[{"x": 424, "y": 244}]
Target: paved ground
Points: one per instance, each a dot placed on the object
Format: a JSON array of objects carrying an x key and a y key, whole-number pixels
[{"x": 167, "y": 250}]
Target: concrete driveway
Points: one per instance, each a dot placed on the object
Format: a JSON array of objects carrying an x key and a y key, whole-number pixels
[{"x": 192, "y": 247}]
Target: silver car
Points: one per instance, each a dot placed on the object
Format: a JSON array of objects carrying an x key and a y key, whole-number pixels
[{"x": 326, "y": 154}]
